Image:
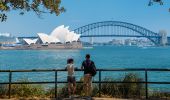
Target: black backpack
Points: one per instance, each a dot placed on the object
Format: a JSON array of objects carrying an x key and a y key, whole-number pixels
[{"x": 92, "y": 68}]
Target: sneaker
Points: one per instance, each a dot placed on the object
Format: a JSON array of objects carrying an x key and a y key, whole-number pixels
[
  {"x": 87, "y": 98},
  {"x": 71, "y": 97}
]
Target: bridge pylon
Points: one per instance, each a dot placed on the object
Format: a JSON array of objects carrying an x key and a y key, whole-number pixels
[
  {"x": 91, "y": 40},
  {"x": 164, "y": 39}
]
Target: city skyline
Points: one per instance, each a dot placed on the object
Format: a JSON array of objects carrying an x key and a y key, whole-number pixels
[{"x": 84, "y": 12}]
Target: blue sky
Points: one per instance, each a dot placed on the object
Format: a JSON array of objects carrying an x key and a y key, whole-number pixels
[{"x": 82, "y": 12}]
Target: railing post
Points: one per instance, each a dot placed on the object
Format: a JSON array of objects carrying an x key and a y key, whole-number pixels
[
  {"x": 99, "y": 83},
  {"x": 55, "y": 84},
  {"x": 10, "y": 80},
  {"x": 146, "y": 83}
]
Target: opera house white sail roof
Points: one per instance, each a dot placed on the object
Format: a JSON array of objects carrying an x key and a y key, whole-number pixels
[
  {"x": 30, "y": 41},
  {"x": 47, "y": 38},
  {"x": 64, "y": 35},
  {"x": 60, "y": 34}
]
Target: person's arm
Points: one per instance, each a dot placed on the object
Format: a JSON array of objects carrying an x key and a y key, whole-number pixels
[
  {"x": 66, "y": 67},
  {"x": 82, "y": 65},
  {"x": 94, "y": 65},
  {"x": 75, "y": 68}
]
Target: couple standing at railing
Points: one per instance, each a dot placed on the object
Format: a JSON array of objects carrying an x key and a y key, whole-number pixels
[{"x": 88, "y": 66}]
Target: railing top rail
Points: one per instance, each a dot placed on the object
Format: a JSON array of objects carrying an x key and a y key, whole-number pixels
[{"x": 107, "y": 69}]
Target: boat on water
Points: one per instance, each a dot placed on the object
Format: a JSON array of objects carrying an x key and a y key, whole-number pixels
[
  {"x": 144, "y": 46},
  {"x": 86, "y": 47}
]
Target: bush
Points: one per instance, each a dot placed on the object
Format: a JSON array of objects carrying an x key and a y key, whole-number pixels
[
  {"x": 132, "y": 89},
  {"x": 160, "y": 95},
  {"x": 110, "y": 89},
  {"x": 3, "y": 90},
  {"x": 107, "y": 89},
  {"x": 27, "y": 90},
  {"x": 23, "y": 90},
  {"x": 119, "y": 90},
  {"x": 122, "y": 90}
]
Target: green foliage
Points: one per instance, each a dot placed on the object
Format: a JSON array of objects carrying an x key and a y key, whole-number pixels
[
  {"x": 132, "y": 89},
  {"x": 26, "y": 90},
  {"x": 38, "y": 6},
  {"x": 155, "y": 1},
  {"x": 160, "y": 95},
  {"x": 3, "y": 90},
  {"x": 107, "y": 89},
  {"x": 161, "y": 2},
  {"x": 3, "y": 17},
  {"x": 63, "y": 92},
  {"x": 118, "y": 90},
  {"x": 23, "y": 90},
  {"x": 122, "y": 90},
  {"x": 110, "y": 89}
]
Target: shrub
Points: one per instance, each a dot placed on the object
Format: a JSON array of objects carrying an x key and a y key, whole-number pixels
[
  {"x": 23, "y": 90},
  {"x": 3, "y": 90},
  {"x": 132, "y": 89},
  {"x": 122, "y": 90},
  {"x": 160, "y": 95},
  {"x": 110, "y": 89}
]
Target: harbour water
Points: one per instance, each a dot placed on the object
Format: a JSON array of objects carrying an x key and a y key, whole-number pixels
[{"x": 103, "y": 56}]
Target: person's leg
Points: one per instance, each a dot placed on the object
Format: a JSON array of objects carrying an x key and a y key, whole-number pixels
[
  {"x": 69, "y": 89},
  {"x": 74, "y": 87},
  {"x": 69, "y": 85},
  {"x": 88, "y": 84},
  {"x": 85, "y": 87}
]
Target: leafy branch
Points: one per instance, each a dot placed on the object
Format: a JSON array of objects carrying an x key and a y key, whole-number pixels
[{"x": 37, "y": 6}]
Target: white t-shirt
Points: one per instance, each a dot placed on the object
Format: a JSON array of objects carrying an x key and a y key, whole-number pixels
[{"x": 70, "y": 69}]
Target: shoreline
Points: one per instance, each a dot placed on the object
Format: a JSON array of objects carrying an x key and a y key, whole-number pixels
[{"x": 76, "y": 45}]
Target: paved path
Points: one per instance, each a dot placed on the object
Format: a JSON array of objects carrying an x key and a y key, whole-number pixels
[
  {"x": 94, "y": 98},
  {"x": 84, "y": 99},
  {"x": 71, "y": 99}
]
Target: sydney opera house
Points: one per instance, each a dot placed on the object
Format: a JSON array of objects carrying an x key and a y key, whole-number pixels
[{"x": 60, "y": 38}]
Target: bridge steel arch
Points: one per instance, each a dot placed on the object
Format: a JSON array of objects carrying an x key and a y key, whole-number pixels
[{"x": 142, "y": 32}]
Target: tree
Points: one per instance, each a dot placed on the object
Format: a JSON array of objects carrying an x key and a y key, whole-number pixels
[
  {"x": 23, "y": 6},
  {"x": 151, "y": 2},
  {"x": 157, "y": 1}
]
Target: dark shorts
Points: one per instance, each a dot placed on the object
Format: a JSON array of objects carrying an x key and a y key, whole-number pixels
[{"x": 71, "y": 79}]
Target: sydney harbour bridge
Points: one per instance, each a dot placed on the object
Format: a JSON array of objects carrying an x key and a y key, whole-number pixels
[{"x": 120, "y": 29}]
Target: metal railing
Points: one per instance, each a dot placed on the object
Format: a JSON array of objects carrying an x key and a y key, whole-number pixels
[{"x": 100, "y": 82}]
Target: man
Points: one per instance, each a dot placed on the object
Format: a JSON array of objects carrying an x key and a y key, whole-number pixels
[{"x": 86, "y": 65}]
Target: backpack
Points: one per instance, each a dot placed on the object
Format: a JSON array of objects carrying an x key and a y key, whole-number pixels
[{"x": 92, "y": 68}]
